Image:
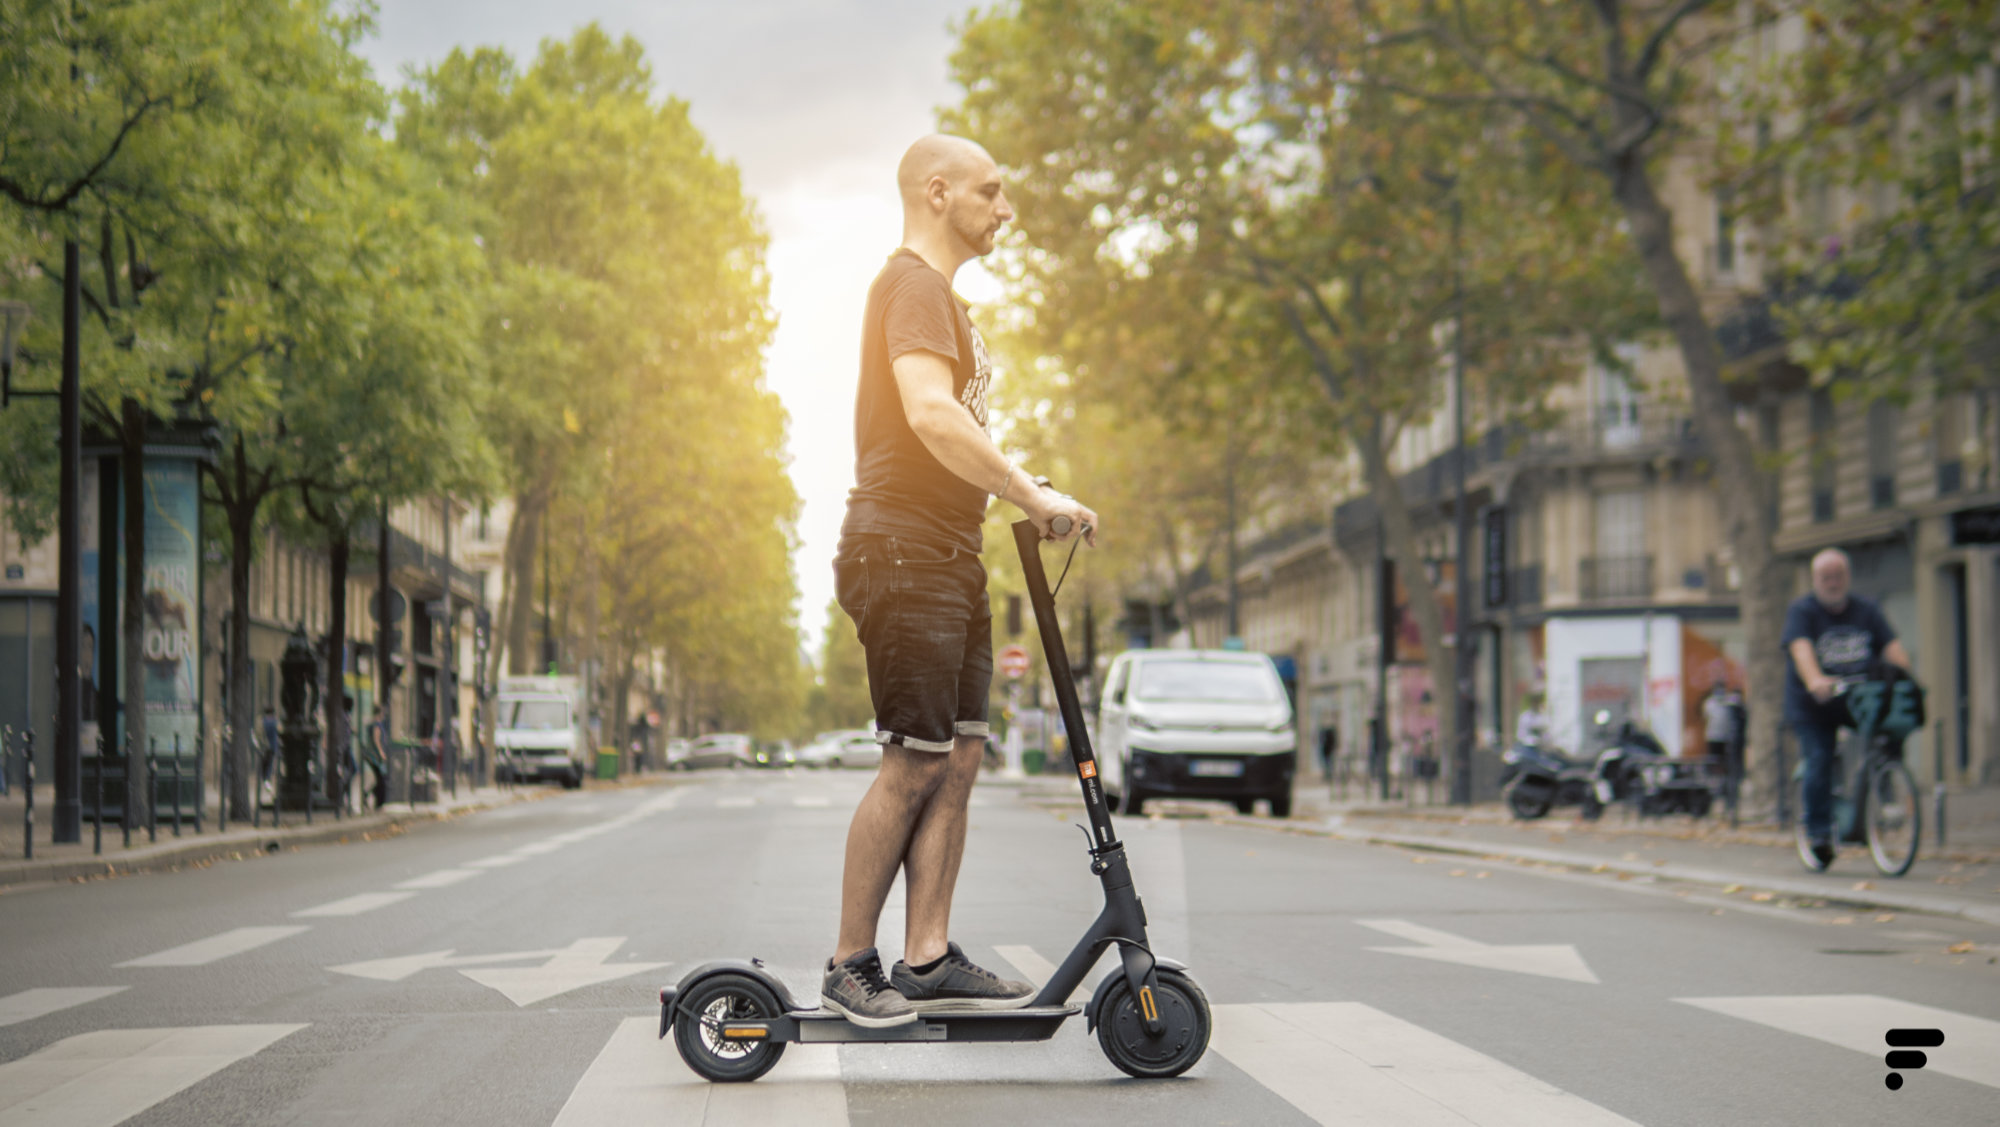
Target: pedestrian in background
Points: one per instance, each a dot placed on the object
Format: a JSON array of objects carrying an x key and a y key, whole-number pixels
[
  {"x": 270, "y": 743},
  {"x": 378, "y": 756},
  {"x": 1722, "y": 719},
  {"x": 1329, "y": 746}
]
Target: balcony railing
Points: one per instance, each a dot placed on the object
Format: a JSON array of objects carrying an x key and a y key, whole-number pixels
[{"x": 1616, "y": 577}]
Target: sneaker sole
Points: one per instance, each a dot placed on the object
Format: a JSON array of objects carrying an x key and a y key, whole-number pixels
[
  {"x": 867, "y": 1022},
  {"x": 940, "y": 1005}
]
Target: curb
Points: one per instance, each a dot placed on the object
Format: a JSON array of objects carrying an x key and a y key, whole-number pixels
[
  {"x": 211, "y": 847},
  {"x": 1872, "y": 898}
]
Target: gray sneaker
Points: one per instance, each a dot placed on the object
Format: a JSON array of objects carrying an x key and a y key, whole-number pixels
[
  {"x": 957, "y": 983},
  {"x": 857, "y": 990}
]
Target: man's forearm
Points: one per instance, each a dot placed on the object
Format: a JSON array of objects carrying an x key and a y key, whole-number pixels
[
  {"x": 962, "y": 447},
  {"x": 1804, "y": 660}
]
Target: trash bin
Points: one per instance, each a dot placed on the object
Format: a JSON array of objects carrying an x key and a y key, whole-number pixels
[
  {"x": 607, "y": 762},
  {"x": 1031, "y": 760}
]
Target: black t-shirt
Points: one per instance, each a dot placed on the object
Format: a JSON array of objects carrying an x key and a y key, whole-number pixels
[
  {"x": 899, "y": 488},
  {"x": 1846, "y": 644}
]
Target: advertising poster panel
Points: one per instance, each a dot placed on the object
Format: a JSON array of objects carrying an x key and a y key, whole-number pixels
[{"x": 172, "y": 611}]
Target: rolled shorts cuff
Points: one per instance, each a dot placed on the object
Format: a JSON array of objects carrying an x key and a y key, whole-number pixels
[
  {"x": 912, "y": 742},
  {"x": 971, "y": 728}
]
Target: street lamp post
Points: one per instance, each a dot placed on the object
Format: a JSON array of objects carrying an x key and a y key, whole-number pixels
[{"x": 1463, "y": 659}]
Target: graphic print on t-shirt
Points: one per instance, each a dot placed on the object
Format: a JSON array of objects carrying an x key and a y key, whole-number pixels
[
  {"x": 1843, "y": 651},
  {"x": 974, "y": 395}
]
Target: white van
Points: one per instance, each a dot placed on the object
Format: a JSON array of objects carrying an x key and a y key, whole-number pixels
[
  {"x": 1196, "y": 724},
  {"x": 538, "y": 730}
]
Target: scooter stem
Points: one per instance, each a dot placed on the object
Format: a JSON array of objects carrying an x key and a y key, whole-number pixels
[{"x": 1028, "y": 540}]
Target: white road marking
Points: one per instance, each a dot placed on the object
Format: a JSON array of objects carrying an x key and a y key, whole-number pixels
[
  {"x": 41, "y": 1001},
  {"x": 1550, "y": 960},
  {"x": 734, "y": 803},
  {"x": 104, "y": 1078},
  {"x": 637, "y": 1080},
  {"x": 540, "y": 847},
  {"x": 403, "y": 966},
  {"x": 1971, "y": 1049},
  {"x": 440, "y": 879},
  {"x": 1029, "y": 963},
  {"x": 812, "y": 800},
  {"x": 354, "y": 905},
  {"x": 576, "y": 966},
  {"x": 499, "y": 862},
  {"x": 1349, "y": 1063},
  {"x": 202, "y": 952}
]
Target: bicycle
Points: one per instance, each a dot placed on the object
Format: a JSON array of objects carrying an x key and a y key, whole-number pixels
[{"x": 1889, "y": 818}]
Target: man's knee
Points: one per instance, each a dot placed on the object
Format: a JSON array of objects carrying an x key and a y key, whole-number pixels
[{"x": 913, "y": 776}]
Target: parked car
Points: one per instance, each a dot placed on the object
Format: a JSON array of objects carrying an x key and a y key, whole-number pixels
[
  {"x": 776, "y": 753},
  {"x": 825, "y": 746},
  {"x": 717, "y": 749},
  {"x": 857, "y": 749},
  {"x": 1196, "y": 724},
  {"x": 677, "y": 749}
]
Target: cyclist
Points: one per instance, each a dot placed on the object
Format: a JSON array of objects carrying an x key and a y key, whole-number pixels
[{"x": 1829, "y": 634}]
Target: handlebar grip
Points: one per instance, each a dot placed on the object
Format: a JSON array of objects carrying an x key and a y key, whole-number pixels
[{"x": 1060, "y": 524}]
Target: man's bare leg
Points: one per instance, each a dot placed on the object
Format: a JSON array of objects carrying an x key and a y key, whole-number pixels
[
  {"x": 930, "y": 864},
  {"x": 884, "y": 824}
]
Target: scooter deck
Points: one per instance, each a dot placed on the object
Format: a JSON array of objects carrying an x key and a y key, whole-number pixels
[{"x": 1026, "y": 1024}]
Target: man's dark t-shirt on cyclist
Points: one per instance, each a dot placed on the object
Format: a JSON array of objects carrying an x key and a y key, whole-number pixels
[
  {"x": 1846, "y": 643},
  {"x": 900, "y": 488}
]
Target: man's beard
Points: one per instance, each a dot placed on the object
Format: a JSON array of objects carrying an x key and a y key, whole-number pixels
[{"x": 975, "y": 235}]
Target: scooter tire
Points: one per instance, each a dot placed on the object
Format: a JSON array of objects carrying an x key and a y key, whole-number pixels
[
  {"x": 1121, "y": 1028},
  {"x": 698, "y": 1024}
]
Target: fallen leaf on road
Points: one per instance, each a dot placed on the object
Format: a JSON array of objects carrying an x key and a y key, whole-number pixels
[
  {"x": 1599, "y": 867},
  {"x": 1863, "y": 885},
  {"x": 1481, "y": 876},
  {"x": 1963, "y": 947},
  {"x": 1733, "y": 888},
  {"x": 1841, "y": 920},
  {"x": 1458, "y": 872},
  {"x": 1630, "y": 857},
  {"x": 1660, "y": 862},
  {"x": 1885, "y": 917},
  {"x": 1760, "y": 897}
]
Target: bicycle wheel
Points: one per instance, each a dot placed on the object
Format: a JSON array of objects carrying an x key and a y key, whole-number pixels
[{"x": 1895, "y": 820}]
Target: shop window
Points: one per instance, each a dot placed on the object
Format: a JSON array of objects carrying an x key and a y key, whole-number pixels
[
  {"x": 1883, "y": 420},
  {"x": 1821, "y": 453}
]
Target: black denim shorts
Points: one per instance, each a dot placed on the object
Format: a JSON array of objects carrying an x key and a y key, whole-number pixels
[{"x": 925, "y": 624}]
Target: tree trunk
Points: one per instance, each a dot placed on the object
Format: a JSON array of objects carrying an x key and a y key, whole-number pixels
[
  {"x": 1741, "y": 488},
  {"x": 522, "y": 541},
  {"x": 240, "y": 510},
  {"x": 334, "y": 660},
  {"x": 132, "y": 613},
  {"x": 1402, "y": 543}
]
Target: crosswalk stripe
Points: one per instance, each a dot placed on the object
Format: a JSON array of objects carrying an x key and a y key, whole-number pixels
[
  {"x": 1349, "y": 1063},
  {"x": 441, "y": 879},
  {"x": 1971, "y": 1049},
  {"x": 1029, "y": 963},
  {"x": 812, "y": 800},
  {"x": 637, "y": 1078},
  {"x": 104, "y": 1078},
  {"x": 202, "y": 952},
  {"x": 353, "y": 905},
  {"x": 41, "y": 1001}
]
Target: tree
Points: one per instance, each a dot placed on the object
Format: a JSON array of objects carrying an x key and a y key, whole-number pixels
[
  {"x": 840, "y": 699},
  {"x": 1215, "y": 178}
]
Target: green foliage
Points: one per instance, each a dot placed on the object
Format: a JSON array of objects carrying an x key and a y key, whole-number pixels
[{"x": 840, "y": 699}]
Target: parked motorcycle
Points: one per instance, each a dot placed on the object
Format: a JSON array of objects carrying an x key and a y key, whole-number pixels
[
  {"x": 1636, "y": 769},
  {"x": 1536, "y": 778}
]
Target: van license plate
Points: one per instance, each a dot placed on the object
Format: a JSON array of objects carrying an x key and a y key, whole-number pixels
[{"x": 1217, "y": 768}]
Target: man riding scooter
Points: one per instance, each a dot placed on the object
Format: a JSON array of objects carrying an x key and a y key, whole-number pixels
[
  {"x": 907, "y": 572},
  {"x": 1830, "y": 633}
]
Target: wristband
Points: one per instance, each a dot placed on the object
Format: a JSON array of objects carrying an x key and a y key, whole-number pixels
[{"x": 1005, "y": 481}]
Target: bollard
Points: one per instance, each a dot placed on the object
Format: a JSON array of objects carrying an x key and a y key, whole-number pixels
[
  {"x": 312, "y": 788},
  {"x": 152, "y": 792},
  {"x": 28, "y": 792},
  {"x": 125, "y": 808},
  {"x": 1937, "y": 777},
  {"x": 177, "y": 784},
  {"x": 97, "y": 804}
]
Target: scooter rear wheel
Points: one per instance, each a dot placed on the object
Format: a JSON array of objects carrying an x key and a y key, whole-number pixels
[
  {"x": 699, "y": 1021},
  {"x": 1121, "y": 1027}
]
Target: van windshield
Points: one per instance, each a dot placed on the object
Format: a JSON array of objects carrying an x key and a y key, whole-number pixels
[
  {"x": 534, "y": 715},
  {"x": 1234, "y": 682}
]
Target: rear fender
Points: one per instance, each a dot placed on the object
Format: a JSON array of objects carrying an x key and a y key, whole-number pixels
[
  {"x": 752, "y": 968},
  {"x": 1104, "y": 985}
]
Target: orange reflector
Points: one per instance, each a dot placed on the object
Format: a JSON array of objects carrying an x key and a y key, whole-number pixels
[
  {"x": 1088, "y": 768},
  {"x": 1146, "y": 1005},
  {"x": 745, "y": 1032}
]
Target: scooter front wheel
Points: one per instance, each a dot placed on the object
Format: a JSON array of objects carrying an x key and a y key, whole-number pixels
[
  {"x": 1121, "y": 1027},
  {"x": 700, "y": 1020}
]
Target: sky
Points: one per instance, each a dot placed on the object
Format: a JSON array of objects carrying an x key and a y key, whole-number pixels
[{"x": 814, "y": 101}]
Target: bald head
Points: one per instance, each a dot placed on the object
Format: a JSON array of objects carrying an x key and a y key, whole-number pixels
[
  {"x": 1831, "y": 574},
  {"x": 952, "y": 200}
]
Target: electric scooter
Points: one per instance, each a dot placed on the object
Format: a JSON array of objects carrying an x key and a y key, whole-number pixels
[{"x": 731, "y": 1019}]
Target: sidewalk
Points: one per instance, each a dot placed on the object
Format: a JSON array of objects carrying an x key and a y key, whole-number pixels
[
  {"x": 1757, "y": 861},
  {"x": 77, "y": 861}
]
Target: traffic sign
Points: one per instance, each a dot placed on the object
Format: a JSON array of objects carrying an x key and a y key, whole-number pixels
[{"x": 1014, "y": 661}]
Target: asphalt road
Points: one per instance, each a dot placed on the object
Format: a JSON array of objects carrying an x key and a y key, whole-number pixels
[{"x": 503, "y": 969}]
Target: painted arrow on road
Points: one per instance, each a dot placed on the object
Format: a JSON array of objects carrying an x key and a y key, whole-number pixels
[
  {"x": 580, "y": 964},
  {"x": 1551, "y": 960}
]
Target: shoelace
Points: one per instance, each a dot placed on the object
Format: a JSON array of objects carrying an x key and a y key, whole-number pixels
[{"x": 870, "y": 975}]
